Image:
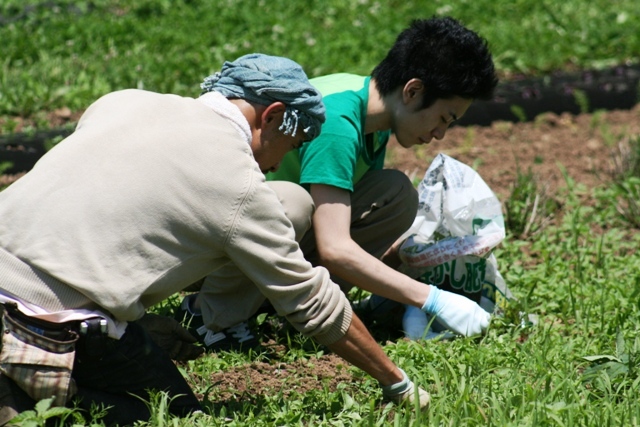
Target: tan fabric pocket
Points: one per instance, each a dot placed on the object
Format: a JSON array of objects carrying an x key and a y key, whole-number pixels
[{"x": 40, "y": 365}]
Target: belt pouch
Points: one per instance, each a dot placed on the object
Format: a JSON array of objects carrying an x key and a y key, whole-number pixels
[{"x": 38, "y": 364}]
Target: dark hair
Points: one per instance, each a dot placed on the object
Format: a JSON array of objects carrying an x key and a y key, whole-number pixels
[{"x": 448, "y": 58}]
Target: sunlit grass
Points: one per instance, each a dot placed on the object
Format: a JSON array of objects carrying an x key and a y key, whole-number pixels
[
  {"x": 579, "y": 274},
  {"x": 70, "y": 54}
]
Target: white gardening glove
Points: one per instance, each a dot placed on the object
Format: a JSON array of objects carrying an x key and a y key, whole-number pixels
[
  {"x": 406, "y": 391},
  {"x": 456, "y": 312}
]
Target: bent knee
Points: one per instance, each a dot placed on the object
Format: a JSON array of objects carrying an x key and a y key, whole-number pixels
[
  {"x": 297, "y": 204},
  {"x": 407, "y": 197},
  {"x": 396, "y": 188},
  {"x": 405, "y": 189}
]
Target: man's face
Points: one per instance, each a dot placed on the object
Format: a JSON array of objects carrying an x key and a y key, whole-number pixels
[
  {"x": 414, "y": 125},
  {"x": 273, "y": 145}
]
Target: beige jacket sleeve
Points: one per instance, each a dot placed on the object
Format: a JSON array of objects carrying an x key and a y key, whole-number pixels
[{"x": 263, "y": 249}]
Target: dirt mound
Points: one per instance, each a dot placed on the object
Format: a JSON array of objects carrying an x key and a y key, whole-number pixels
[
  {"x": 581, "y": 144},
  {"x": 250, "y": 382}
]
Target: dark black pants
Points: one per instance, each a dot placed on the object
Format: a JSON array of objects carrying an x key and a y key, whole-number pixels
[{"x": 132, "y": 365}]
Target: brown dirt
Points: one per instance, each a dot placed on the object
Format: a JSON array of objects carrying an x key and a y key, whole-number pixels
[
  {"x": 582, "y": 144},
  {"x": 251, "y": 382}
]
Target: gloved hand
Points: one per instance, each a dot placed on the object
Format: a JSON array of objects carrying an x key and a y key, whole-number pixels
[
  {"x": 405, "y": 391},
  {"x": 170, "y": 336},
  {"x": 456, "y": 312}
]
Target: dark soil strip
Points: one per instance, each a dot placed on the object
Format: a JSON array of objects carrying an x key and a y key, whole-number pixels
[
  {"x": 522, "y": 99},
  {"x": 519, "y": 99}
]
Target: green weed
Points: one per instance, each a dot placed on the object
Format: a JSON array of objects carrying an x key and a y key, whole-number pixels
[
  {"x": 611, "y": 374},
  {"x": 529, "y": 208},
  {"x": 44, "y": 414},
  {"x": 578, "y": 273},
  {"x": 625, "y": 179},
  {"x": 519, "y": 112},
  {"x": 582, "y": 100}
]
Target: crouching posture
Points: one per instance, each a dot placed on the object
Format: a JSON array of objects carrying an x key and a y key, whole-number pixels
[{"x": 149, "y": 194}]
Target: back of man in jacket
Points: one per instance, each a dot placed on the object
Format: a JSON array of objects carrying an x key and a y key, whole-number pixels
[{"x": 150, "y": 193}]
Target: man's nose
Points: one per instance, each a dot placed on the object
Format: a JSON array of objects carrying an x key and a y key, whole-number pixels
[{"x": 440, "y": 131}]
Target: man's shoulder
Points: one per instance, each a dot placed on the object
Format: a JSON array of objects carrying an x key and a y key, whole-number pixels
[
  {"x": 338, "y": 83},
  {"x": 138, "y": 97},
  {"x": 133, "y": 93},
  {"x": 127, "y": 104}
]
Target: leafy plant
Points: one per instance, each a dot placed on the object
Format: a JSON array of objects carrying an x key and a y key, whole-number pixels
[
  {"x": 625, "y": 177},
  {"x": 582, "y": 100},
  {"x": 608, "y": 373},
  {"x": 5, "y": 166},
  {"x": 529, "y": 208},
  {"x": 44, "y": 413},
  {"x": 519, "y": 112}
]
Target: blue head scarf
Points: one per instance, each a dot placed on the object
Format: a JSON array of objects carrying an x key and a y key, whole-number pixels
[{"x": 266, "y": 79}]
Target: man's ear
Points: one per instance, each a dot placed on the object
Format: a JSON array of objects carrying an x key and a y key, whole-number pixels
[
  {"x": 272, "y": 113},
  {"x": 412, "y": 90}
]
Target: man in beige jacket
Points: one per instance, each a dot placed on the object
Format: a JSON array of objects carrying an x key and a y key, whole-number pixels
[{"x": 149, "y": 194}]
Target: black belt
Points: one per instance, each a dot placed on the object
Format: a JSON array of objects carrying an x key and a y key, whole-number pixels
[{"x": 57, "y": 331}]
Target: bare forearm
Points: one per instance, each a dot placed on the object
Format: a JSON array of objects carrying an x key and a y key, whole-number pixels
[
  {"x": 344, "y": 258},
  {"x": 354, "y": 265},
  {"x": 360, "y": 349}
]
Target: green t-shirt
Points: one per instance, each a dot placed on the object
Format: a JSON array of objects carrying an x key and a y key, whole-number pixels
[{"x": 342, "y": 153}]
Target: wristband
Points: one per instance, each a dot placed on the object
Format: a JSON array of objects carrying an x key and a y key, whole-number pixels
[
  {"x": 398, "y": 388},
  {"x": 431, "y": 304}
]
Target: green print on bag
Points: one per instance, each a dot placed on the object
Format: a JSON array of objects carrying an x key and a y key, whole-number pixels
[
  {"x": 472, "y": 277},
  {"x": 458, "y": 224},
  {"x": 459, "y": 275}
]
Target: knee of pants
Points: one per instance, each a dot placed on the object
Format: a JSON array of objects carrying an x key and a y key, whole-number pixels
[
  {"x": 297, "y": 203},
  {"x": 393, "y": 195},
  {"x": 407, "y": 196}
]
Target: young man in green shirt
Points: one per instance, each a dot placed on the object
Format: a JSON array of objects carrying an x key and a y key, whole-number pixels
[
  {"x": 429, "y": 78},
  {"x": 431, "y": 75}
]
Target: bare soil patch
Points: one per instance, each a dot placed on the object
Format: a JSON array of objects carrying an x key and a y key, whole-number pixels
[
  {"x": 281, "y": 379},
  {"x": 582, "y": 144}
]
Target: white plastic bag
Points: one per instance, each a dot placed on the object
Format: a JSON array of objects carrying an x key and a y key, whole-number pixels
[{"x": 450, "y": 243}]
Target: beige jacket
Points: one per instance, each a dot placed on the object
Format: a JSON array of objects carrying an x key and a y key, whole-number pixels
[{"x": 149, "y": 194}]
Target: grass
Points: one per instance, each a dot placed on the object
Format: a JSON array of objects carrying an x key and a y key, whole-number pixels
[
  {"x": 66, "y": 53},
  {"x": 580, "y": 274},
  {"x": 625, "y": 175},
  {"x": 529, "y": 207}
]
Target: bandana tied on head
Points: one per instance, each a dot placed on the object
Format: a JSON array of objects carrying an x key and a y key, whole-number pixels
[{"x": 266, "y": 79}]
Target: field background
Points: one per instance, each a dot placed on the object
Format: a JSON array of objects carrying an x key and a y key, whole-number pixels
[
  {"x": 569, "y": 184},
  {"x": 66, "y": 53}
]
